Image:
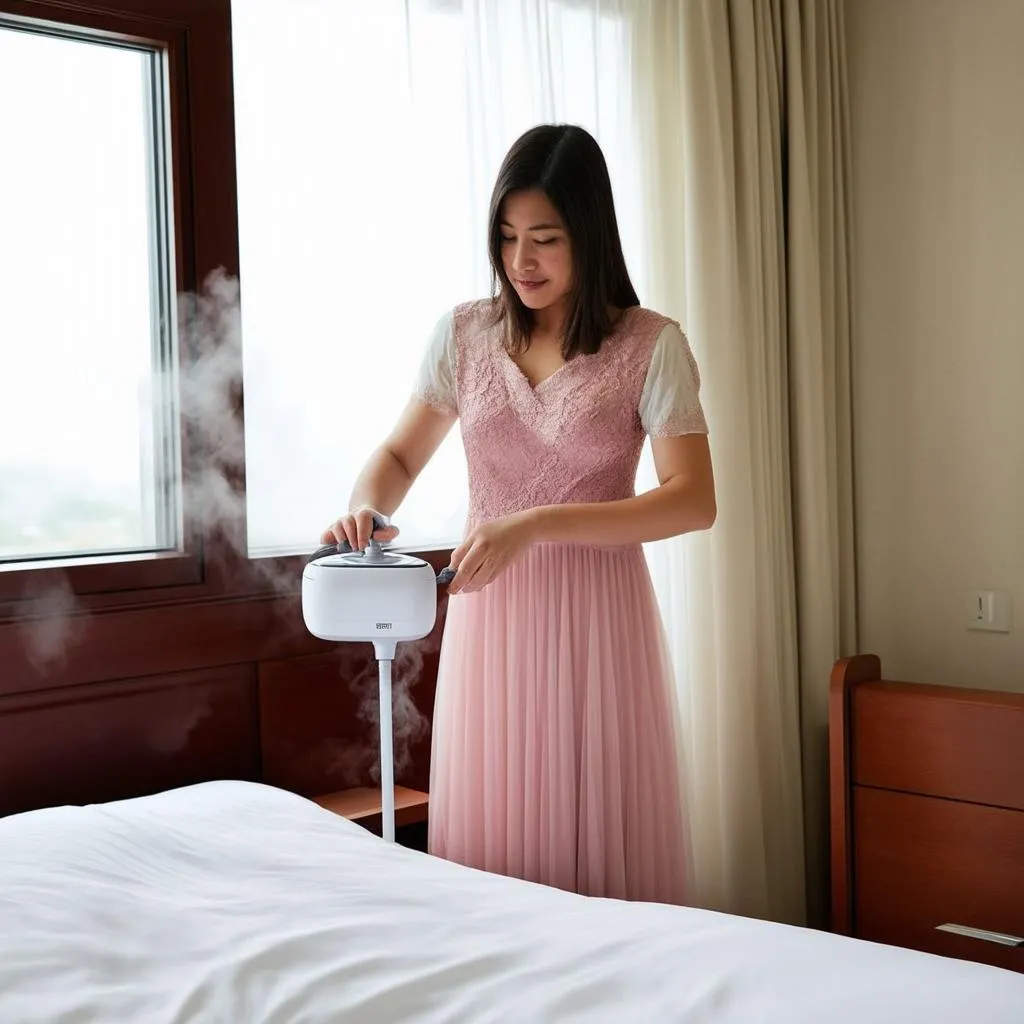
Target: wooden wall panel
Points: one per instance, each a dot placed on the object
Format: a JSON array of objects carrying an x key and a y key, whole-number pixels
[
  {"x": 128, "y": 643},
  {"x": 117, "y": 740},
  {"x": 274, "y": 704}
]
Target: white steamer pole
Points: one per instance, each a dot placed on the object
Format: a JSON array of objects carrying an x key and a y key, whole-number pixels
[{"x": 379, "y": 597}]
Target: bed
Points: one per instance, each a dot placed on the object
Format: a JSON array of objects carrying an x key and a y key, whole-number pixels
[{"x": 240, "y": 902}]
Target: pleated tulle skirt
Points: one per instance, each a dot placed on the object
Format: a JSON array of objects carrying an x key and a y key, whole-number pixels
[{"x": 555, "y": 754}]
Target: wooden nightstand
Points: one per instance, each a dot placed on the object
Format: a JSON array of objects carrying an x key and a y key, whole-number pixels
[
  {"x": 927, "y": 815},
  {"x": 363, "y": 806}
]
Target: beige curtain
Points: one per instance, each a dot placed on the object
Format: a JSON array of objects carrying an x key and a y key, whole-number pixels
[{"x": 741, "y": 108}]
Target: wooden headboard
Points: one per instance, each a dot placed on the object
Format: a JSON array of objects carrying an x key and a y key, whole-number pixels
[{"x": 927, "y": 814}]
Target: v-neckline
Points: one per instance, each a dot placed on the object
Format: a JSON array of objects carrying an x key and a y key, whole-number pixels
[
  {"x": 534, "y": 390},
  {"x": 521, "y": 374}
]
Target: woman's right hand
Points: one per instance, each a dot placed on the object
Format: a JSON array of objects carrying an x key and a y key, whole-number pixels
[{"x": 357, "y": 527}]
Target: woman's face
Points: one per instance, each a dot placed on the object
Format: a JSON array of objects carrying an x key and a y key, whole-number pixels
[{"x": 535, "y": 249}]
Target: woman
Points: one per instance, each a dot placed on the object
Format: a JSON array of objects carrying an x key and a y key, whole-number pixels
[{"x": 554, "y": 752}]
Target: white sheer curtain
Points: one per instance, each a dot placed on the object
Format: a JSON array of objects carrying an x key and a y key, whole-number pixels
[
  {"x": 368, "y": 138},
  {"x": 351, "y": 139}
]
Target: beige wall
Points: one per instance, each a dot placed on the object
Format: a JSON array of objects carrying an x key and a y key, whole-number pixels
[{"x": 937, "y": 88}]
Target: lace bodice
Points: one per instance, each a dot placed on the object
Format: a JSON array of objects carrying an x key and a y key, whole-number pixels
[{"x": 577, "y": 435}]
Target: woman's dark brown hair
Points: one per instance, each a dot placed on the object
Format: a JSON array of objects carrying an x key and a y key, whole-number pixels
[{"x": 567, "y": 165}]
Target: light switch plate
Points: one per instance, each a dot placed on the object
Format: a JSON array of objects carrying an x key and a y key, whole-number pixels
[{"x": 990, "y": 610}]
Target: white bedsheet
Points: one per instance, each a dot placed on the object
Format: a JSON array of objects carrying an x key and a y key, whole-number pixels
[{"x": 240, "y": 903}]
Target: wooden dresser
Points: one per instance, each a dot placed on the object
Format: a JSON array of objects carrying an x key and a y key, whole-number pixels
[{"x": 927, "y": 815}]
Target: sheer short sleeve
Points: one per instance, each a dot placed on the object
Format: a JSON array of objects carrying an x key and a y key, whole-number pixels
[
  {"x": 435, "y": 381},
  {"x": 670, "y": 402}
]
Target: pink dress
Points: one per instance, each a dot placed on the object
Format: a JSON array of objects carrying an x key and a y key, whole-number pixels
[{"x": 554, "y": 754}]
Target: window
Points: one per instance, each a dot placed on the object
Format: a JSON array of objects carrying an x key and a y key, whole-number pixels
[
  {"x": 89, "y": 463},
  {"x": 120, "y": 201},
  {"x": 368, "y": 138}
]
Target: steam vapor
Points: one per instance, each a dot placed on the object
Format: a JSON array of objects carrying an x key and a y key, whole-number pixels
[
  {"x": 210, "y": 393},
  {"x": 354, "y": 763},
  {"x": 209, "y": 396},
  {"x": 56, "y": 622}
]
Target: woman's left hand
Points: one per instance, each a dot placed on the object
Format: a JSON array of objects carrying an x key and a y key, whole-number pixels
[{"x": 488, "y": 551}]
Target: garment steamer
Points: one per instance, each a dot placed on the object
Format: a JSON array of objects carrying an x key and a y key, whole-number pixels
[{"x": 379, "y": 597}]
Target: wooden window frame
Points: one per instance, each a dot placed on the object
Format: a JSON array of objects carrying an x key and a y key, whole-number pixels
[
  {"x": 213, "y": 564},
  {"x": 196, "y": 37}
]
